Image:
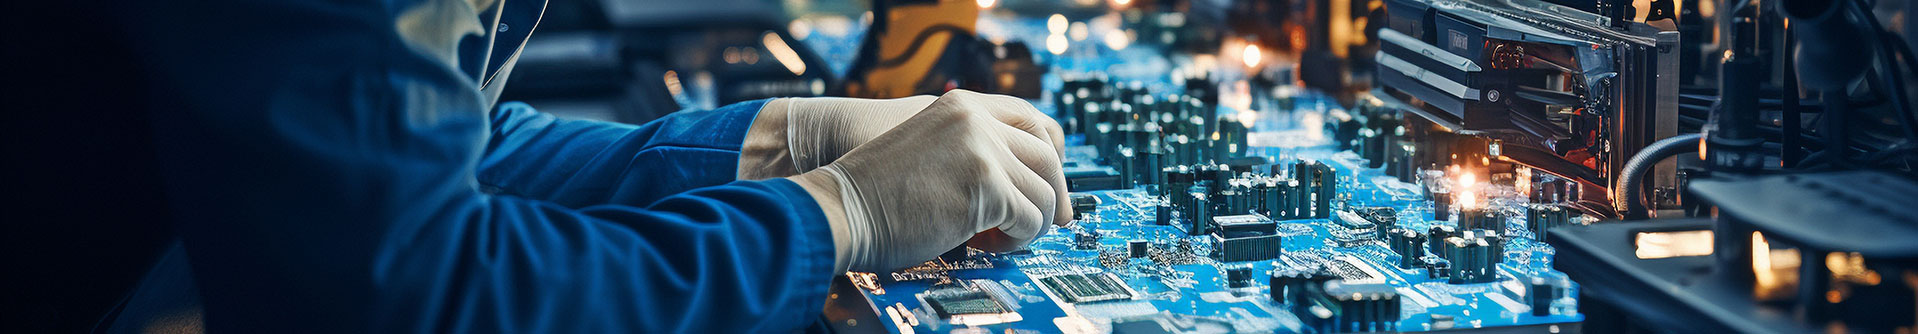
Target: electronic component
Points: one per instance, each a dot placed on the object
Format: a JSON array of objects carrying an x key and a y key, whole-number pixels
[
  {"x": 1245, "y": 238},
  {"x": 1437, "y": 268},
  {"x": 1352, "y": 238},
  {"x": 1318, "y": 183},
  {"x": 1275, "y": 197},
  {"x": 1189, "y": 211},
  {"x": 1090, "y": 178},
  {"x": 1384, "y": 218},
  {"x": 1345, "y": 307},
  {"x": 971, "y": 302},
  {"x": 1474, "y": 255},
  {"x": 1408, "y": 244},
  {"x": 1086, "y": 288},
  {"x": 1198, "y": 213},
  {"x": 1295, "y": 286},
  {"x": 1237, "y": 199},
  {"x": 1085, "y": 240},
  {"x": 1083, "y": 204},
  {"x": 1238, "y": 277},
  {"x": 1437, "y": 235},
  {"x": 1542, "y": 217},
  {"x": 1480, "y": 219},
  {"x": 951, "y": 302},
  {"x": 1352, "y": 221},
  {"x": 1542, "y": 292}
]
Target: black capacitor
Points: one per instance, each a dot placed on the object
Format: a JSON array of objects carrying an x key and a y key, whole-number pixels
[
  {"x": 1083, "y": 204},
  {"x": 1072, "y": 98},
  {"x": 1238, "y": 201},
  {"x": 1143, "y": 137},
  {"x": 1099, "y": 135},
  {"x": 1178, "y": 180},
  {"x": 1441, "y": 205},
  {"x": 1542, "y": 293},
  {"x": 1231, "y": 141},
  {"x": 1540, "y": 218},
  {"x": 1281, "y": 199},
  {"x": 1296, "y": 286},
  {"x": 1409, "y": 244},
  {"x": 1497, "y": 242},
  {"x": 1178, "y": 150},
  {"x": 1238, "y": 277},
  {"x": 1479, "y": 219},
  {"x": 1214, "y": 177},
  {"x": 1345, "y": 132},
  {"x": 1209, "y": 113},
  {"x": 1385, "y": 133},
  {"x": 1085, "y": 240},
  {"x": 1147, "y": 165},
  {"x": 1319, "y": 184},
  {"x": 1136, "y": 248},
  {"x": 1162, "y": 214},
  {"x": 1202, "y": 213},
  {"x": 1436, "y": 238},
  {"x": 1403, "y": 161},
  {"x": 1437, "y": 268}
]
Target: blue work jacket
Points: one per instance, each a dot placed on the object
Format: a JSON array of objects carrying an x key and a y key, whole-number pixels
[{"x": 341, "y": 166}]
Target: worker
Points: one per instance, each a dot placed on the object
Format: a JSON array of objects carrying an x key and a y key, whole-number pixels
[{"x": 343, "y": 166}]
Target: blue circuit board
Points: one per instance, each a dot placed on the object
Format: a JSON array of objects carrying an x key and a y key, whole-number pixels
[
  {"x": 1178, "y": 287},
  {"x": 1182, "y": 289}
]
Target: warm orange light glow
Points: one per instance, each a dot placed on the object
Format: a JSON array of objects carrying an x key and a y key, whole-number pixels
[
  {"x": 1466, "y": 199},
  {"x": 1761, "y": 260},
  {"x": 784, "y": 53},
  {"x": 1659, "y": 245},
  {"x": 1252, "y": 55}
]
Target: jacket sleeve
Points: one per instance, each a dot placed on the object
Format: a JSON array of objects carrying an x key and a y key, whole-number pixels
[
  {"x": 583, "y": 162},
  {"x": 321, "y": 159}
]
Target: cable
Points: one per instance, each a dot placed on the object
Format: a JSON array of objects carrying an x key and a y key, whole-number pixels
[
  {"x": 1889, "y": 75},
  {"x": 1630, "y": 180}
]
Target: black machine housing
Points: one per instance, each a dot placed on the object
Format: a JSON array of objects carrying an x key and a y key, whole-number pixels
[{"x": 1532, "y": 83}]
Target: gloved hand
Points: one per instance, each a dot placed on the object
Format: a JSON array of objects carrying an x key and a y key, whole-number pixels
[
  {"x": 975, "y": 169},
  {"x": 795, "y": 135}
]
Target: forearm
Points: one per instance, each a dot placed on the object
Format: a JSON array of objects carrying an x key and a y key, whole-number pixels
[{"x": 581, "y": 162}]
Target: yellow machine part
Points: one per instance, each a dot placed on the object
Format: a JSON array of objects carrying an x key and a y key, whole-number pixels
[{"x": 903, "y": 25}]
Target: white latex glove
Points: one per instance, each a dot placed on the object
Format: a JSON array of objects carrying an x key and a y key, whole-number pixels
[
  {"x": 964, "y": 170},
  {"x": 795, "y": 135},
  {"x": 820, "y": 130}
]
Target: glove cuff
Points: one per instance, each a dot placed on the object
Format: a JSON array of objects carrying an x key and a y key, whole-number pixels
[{"x": 861, "y": 241}]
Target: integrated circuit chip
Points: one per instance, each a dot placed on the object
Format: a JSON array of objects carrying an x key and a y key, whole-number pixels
[
  {"x": 1085, "y": 288},
  {"x": 972, "y": 302},
  {"x": 960, "y": 301}
]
